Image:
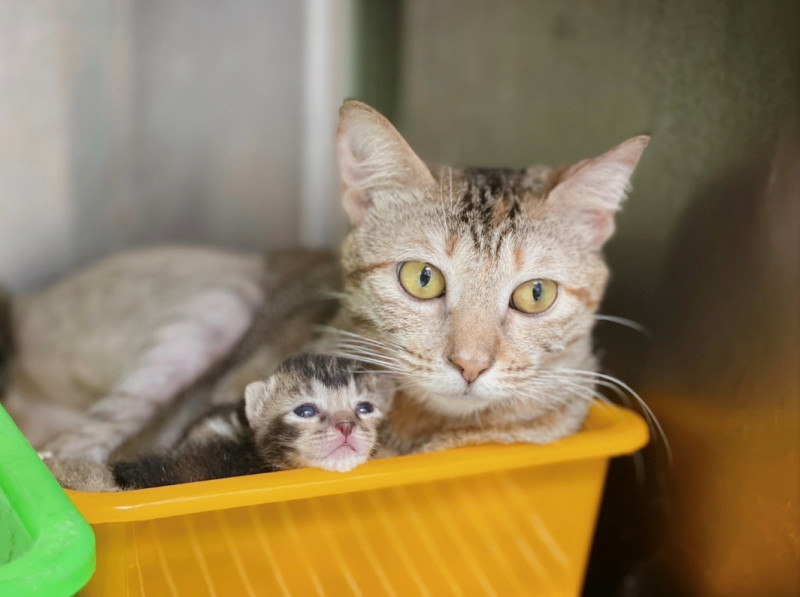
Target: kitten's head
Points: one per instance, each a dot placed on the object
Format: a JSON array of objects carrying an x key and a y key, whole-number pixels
[
  {"x": 481, "y": 284},
  {"x": 317, "y": 411}
]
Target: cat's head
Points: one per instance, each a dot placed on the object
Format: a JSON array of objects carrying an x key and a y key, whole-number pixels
[
  {"x": 481, "y": 284},
  {"x": 318, "y": 411}
]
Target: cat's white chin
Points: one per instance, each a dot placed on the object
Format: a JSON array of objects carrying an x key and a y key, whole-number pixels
[
  {"x": 456, "y": 402},
  {"x": 449, "y": 395}
]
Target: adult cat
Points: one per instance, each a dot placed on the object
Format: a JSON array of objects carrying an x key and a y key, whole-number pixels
[{"x": 475, "y": 288}]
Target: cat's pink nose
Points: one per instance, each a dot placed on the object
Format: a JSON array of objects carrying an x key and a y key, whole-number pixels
[
  {"x": 345, "y": 427},
  {"x": 471, "y": 368}
]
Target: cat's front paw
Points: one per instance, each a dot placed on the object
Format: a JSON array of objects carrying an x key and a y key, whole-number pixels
[
  {"x": 89, "y": 447},
  {"x": 80, "y": 475}
]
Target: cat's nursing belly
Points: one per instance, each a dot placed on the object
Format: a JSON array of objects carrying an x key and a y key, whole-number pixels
[
  {"x": 119, "y": 342},
  {"x": 78, "y": 338}
]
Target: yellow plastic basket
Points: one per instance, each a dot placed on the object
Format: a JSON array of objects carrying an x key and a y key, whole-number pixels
[{"x": 483, "y": 520}]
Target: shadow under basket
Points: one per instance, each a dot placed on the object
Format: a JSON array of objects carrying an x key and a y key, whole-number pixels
[{"x": 483, "y": 520}]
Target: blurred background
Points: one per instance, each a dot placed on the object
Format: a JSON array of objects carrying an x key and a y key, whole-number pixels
[{"x": 133, "y": 122}]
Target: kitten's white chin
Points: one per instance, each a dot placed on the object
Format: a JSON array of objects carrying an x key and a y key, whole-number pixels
[{"x": 342, "y": 459}]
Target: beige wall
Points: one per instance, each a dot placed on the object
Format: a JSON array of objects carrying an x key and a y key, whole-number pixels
[
  {"x": 707, "y": 253},
  {"x": 134, "y": 121}
]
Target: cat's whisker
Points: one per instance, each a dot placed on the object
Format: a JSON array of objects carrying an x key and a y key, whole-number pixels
[
  {"x": 358, "y": 344},
  {"x": 624, "y": 322},
  {"x": 378, "y": 359},
  {"x": 332, "y": 331},
  {"x": 624, "y": 398},
  {"x": 411, "y": 383},
  {"x": 548, "y": 376},
  {"x": 547, "y": 380},
  {"x": 521, "y": 397},
  {"x": 585, "y": 394},
  {"x": 383, "y": 372},
  {"x": 364, "y": 349},
  {"x": 366, "y": 359},
  {"x": 610, "y": 381}
]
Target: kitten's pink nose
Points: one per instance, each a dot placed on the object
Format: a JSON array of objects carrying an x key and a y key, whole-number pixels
[
  {"x": 471, "y": 368},
  {"x": 344, "y": 427}
]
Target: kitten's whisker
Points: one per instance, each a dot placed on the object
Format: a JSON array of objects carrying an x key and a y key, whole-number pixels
[{"x": 624, "y": 322}]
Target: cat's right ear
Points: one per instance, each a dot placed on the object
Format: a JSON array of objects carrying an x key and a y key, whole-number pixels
[
  {"x": 590, "y": 192},
  {"x": 373, "y": 157},
  {"x": 256, "y": 395}
]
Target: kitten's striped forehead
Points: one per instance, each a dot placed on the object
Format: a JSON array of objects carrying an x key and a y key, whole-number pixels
[{"x": 488, "y": 202}]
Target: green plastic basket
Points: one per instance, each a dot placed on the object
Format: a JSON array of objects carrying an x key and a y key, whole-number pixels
[{"x": 46, "y": 547}]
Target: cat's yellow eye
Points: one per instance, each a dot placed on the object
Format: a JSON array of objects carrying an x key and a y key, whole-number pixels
[
  {"x": 421, "y": 280},
  {"x": 534, "y": 296}
]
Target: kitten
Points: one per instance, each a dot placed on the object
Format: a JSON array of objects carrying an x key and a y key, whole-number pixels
[
  {"x": 475, "y": 288},
  {"x": 314, "y": 411}
]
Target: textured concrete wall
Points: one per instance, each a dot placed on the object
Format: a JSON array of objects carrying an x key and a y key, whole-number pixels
[
  {"x": 706, "y": 254},
  {"x": 132, "y": 122},
  {"x": 516, "y": 83}
]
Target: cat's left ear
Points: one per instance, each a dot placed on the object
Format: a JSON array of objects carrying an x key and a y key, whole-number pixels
[
  {"x": 591, "y": 191},
  {"x": 374, "y": 158}
]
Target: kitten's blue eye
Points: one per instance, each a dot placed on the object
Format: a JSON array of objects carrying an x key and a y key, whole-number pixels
[
  {"x": 305, "y": 411},
  {"x": 364, "y": 408}
]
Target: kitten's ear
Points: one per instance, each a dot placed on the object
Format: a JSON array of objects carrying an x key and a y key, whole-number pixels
[
  {"x": 592, "y": 190},
  {"x": 373, "y": 157},
  {"x": 255, "y": 396}
]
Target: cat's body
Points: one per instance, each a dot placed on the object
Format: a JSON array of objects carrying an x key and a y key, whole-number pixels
[
  {"x": 475, "y": 289},
  {"x": 314, "y": 411},
  {"x": 140, "y": 343}
]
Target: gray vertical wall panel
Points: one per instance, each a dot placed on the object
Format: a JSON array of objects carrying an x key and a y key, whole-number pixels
[{"x": 131, "y": 122}]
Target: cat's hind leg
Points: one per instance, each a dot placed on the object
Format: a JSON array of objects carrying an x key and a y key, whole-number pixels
[{"x": 203, "y": 332}]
